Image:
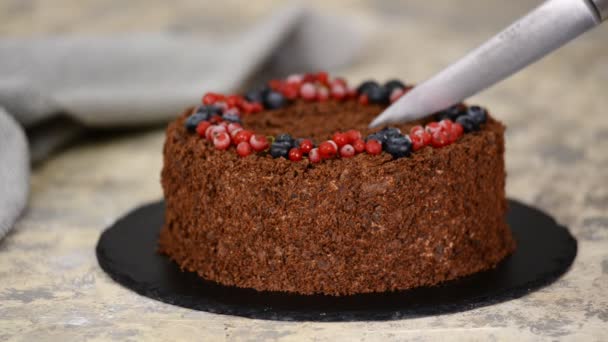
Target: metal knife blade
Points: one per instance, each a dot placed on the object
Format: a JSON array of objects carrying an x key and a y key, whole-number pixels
[{"x": 544, "y": 29}]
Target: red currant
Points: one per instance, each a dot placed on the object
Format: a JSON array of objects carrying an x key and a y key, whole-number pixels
[
  {"x": 340, "y": 139},
  {"x": 258, "y": 142},
  {"x": 359, "y": 145},
  {"x": 308, "y": 91},
  {"x": 202, "y": 127},
  {"x": 327, "y": 149},
  {"x": 347, "y": 151},
  {"x": 433, "y": 127},
  {"x": 353, "y": 135},
  {"x": 306, "y": 146},
  {"x": 314, "y": 156},
  {"x": 363, "y": 99},
  {"x": 322, "y": 77},
  {"x": 440, "y": 138},
  {"x": 221, "y": 140},
  {"x": 295, "y": 154},
  {"x": 322, "y": 94},
  {"x": 242, "y": 136},
  {"x": 338, "y": 92},
  {"x": 373, "y": 147},
  {"x": 243, "y": 149}
]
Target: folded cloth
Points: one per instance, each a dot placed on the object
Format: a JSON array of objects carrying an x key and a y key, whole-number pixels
[{"x": 72, "y": 82}]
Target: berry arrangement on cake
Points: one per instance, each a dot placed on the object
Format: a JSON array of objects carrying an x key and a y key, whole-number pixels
[{"x": 285, "y": 189}]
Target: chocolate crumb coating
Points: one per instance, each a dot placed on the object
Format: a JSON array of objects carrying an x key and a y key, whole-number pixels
[{"x": 344, "y": 226}]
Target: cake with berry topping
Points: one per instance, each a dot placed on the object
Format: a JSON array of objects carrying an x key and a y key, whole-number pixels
[{"x": 286, "y": 189}]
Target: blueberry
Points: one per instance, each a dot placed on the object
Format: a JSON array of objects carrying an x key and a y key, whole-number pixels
[
  {"x": 231, "y": 118},
  {"x": 381, "y": 137},
  {"x": 477, "y": 114},
  {"x": 378, "y": 95},
  {"x": 399, "y": 140},
  {"x": 467, "y": 123},
  {"x": 257, "y": 95},
  {"x": 391, "y": 131},
  {"x": 274, "y": 100},
  {"x": 280, "y": 149},
  {"x": 399, "y": 146},
  {"x": 393, "y": 84},
  {"x": 363, "y": 87},
  {"x": 452, "y": 113},
  {"x": 210, "y": 109},
  {"x": 285, "y": 138},
  {"x": 193, "y": 120}
]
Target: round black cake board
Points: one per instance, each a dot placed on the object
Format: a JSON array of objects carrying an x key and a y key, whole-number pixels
[{"x": 127, "y": 252}]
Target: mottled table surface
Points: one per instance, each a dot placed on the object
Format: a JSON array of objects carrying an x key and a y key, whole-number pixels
[{"x": 51, "y": 287}]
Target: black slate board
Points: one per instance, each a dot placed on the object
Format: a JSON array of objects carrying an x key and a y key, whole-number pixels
[{"x": 127, "y": 252}]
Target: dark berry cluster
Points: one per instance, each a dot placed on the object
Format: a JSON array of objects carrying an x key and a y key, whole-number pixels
[{"x": 218, "y": 120}]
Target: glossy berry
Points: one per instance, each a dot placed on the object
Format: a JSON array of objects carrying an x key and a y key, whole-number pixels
[
  {"x": 394, "y": 84},
  {"x": 373, "y": 147},
  {"x": 291, "y": 91},
  {"x": 327, "y": 149},
  {"x": 233, "y": 126},
  {"x": 419, "y": 137},
  {"x": 211, "y": 98},
  {"x": 467, "y": 123},
  {"x": 201, "y": 128},
  {"x": 322, "y": 94},
  {"x": 280, "y": 149},
  {"x": 446, "y": 124},
  {"x": 322, "y": 77},
  {"x": 274, "y": 100},
  {"x": 193, "y": 120},
  {"x": 314, "y": 156},
  {"x": 477, "y": 114},
  {"x": 285, "y": 138},
  {"x": 308, "y": 91},
  {"x": 359, "y": 145},
  {"x": 452, "y": 113},
  {"x": 231, "y": 116},
  {"x": 306, "y": 145},
  {"x": 399, "y": 146},
  {"x": 221, "y": 141},
  {"x": 363, "y": 87},
  {"x": 295, "y": 154},
  {"x": 363, "y": 100},
  {"x": 455, "y": 132},
  {"x": 433, "y": 127},
  {"x": 353, "y": 135},
  {"x": 258, "y": 142},
  {"x": 378, "y": 136},
  {"x": 347, "y": 151},
  {"x": 440, "y": 138},
  {"x": 340, "y": 139},
  {"x": 338, "y": 92},
  {"x": 295, "y": 79},
  {"x": 390, "y": 131},
  {"x": 378, "y": 95},
  {"x": 243, "y": 136},
  {"x": 257, "y": 95},
  {"x": 243, "y": 149},
  {"x": 214, "y": 130}
]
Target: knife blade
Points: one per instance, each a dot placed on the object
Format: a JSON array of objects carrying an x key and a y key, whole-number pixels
[{"x": 543, "y": 30}]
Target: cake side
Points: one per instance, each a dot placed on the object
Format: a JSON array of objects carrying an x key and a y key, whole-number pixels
[{"x": 344, "y": 226}]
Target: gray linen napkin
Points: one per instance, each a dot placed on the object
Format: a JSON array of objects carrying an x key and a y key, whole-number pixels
[{"x": 56, "y": 86}]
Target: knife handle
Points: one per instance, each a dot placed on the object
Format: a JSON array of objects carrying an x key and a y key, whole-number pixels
[{"x": 601, "y": 6}]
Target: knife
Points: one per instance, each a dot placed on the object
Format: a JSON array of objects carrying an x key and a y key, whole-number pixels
[{"x": 544, "y": 29}]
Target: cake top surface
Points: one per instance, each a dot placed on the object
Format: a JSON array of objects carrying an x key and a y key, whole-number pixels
[{"x": 315, "y": 118}]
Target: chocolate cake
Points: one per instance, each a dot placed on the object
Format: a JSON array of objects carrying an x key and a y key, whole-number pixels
[{"x": 346, "y": 210}]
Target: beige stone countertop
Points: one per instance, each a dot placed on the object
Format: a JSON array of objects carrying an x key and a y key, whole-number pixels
[{"x": 52, "y": 289}]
